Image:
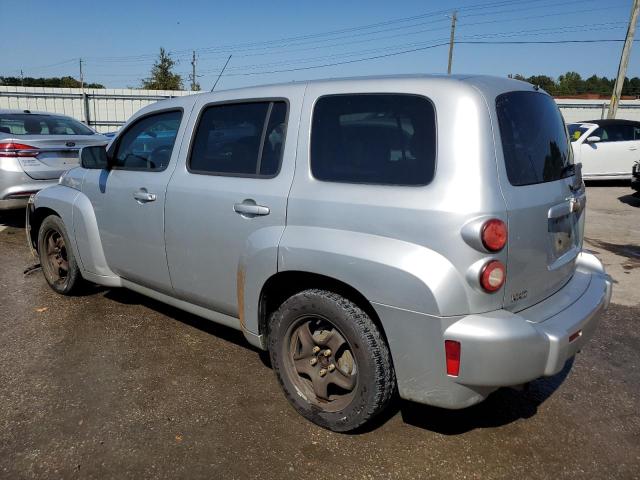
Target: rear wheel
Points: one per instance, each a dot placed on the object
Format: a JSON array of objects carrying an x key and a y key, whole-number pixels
[
  {"x": 331, "y": 360},
  {"x": 56, "y": 257}
]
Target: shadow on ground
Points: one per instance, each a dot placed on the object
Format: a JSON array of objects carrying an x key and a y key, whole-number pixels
[
  {"x": 633, "y": 199},
  {"x": 13, "y": 218},
  {"x": 502, "y": 407}
]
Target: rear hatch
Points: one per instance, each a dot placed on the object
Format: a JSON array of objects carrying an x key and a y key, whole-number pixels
[
  {"x": 48, "y": 144},
  {"x": 544, "y": 195}
]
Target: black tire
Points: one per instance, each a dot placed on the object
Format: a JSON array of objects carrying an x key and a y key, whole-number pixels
[
  {"x": 58, "y": 263},
  {"x": 331, "y": 319}
]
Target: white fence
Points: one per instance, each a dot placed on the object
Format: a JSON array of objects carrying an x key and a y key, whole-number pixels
[
  {"x": 104, "y": 109},
  {"x": 107, "y": 109}
]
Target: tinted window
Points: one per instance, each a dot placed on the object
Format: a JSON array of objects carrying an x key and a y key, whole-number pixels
[
  {"x": 374, "y": 139},
  {"x": 35, "y": 124},
  {"x": 534, "y": 140},
  {"x": 240, "y": 139},
  {"x": 614, "y": 133},
  {"x": 576, "y": 130},
  {"x": 148, "y": 143}
]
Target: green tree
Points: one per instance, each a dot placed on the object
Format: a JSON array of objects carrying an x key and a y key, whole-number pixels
[
  {"x": 162, "y": 77},
  {"x": 66, "y": 82},
  {"x": 570, "y": 83},
  {"x": 546, "y": 83}
]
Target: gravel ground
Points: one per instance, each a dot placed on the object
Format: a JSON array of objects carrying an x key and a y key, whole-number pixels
[{"x": 114, "y": 385}]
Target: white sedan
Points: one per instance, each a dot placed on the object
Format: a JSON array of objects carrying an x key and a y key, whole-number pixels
[{"x": 607, "y": 149}]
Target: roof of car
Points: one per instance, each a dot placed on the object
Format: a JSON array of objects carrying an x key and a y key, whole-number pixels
[
  {"x": 487, "y": 85},
  {"x": 30, "y": 112},
  {"x": 613, "y": 121}
]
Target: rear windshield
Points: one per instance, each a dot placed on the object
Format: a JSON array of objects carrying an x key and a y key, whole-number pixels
[
  {"x": 34, "y": 124},
  {"x": 534, "y": 138}
]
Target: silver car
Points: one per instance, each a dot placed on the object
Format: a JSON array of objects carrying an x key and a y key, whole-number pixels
[
  {"x": 35, "y": 149},
  {"x": 413, "y": 234}
]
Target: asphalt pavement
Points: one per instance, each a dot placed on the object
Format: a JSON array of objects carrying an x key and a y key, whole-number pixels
[{"x": 111, "y": 384}]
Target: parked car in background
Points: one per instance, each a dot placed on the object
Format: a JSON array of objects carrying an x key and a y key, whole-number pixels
[
  {"x": 35, "y": 149},
  {"x": 368, "y": 247},
  {"x": 635, "y": 176},
  {"x": 607, "y": 149}
]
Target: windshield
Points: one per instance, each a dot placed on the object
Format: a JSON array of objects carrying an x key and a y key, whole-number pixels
[
  {"x": 534, "y": 138},
  {"x": 576, "y": 130},
  {"x": 35, "y": 124}
]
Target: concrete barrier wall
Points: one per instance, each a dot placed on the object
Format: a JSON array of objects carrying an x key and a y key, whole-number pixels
[{"x": 107, "y": 109}]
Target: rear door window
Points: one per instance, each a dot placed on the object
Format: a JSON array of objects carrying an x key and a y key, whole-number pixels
[
  {"x": 534, "y": 138},
  {"x": 385, "y": 139},
  {"x": 240, "y": 139}
]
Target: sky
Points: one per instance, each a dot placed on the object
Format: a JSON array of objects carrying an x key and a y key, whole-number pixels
[{"x": 281, "y": 40}]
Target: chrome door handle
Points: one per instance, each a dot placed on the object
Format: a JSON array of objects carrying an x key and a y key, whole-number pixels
[
  {"x": 250, "y": 209},
  {"x": 143, "y": 196}
]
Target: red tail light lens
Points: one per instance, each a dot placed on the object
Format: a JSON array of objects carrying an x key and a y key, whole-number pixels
[
  {"x": 493, "y": 276},
  {"x": 17, "y": 150},
  {"x": 452, "y": 351},
  {"x": 494, "y": 235}
]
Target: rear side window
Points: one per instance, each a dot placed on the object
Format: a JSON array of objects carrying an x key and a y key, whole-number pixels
[
  {"x": 534, "y": 139},
  {"x": 615, "y": 133},
  {"x": 35, "y": 124},
  {"x": 384, "y": 139},
  {"x": 243, "y": 139}
]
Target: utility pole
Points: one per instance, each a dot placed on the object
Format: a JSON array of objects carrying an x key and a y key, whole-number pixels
[
  {"x": 454, "y": 18},
  {"x": 21, "y": 78},
  {"x": 81, "y": 76},
  {"x": 193, "y": 71},
  {"x": 624, "y": 60}
]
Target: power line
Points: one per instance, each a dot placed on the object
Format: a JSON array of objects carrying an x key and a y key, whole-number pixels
[{"x": 521, "y": 42}]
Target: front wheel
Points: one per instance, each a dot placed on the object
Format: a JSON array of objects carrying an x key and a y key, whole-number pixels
[
  {"x": 58, "y": 263},
  {"x": 331, "y": 360}
]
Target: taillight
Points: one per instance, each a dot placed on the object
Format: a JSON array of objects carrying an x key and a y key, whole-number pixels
[
  {"x": 493, "y": 276},
  {"x": 452, "y": 352},
  {"x": 494, "y": 235},
  {"x": 11, "y": 149}
]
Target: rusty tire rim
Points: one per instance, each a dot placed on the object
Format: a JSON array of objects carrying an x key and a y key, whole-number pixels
[
  {"x": 56, "y": 261},
  {"x": 320, "y": 363}
]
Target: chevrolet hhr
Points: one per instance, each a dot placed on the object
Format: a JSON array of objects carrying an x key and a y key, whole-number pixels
[{"x": 410, "y": 235}]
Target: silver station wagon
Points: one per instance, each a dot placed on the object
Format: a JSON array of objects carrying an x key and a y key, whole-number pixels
[{"x": 411, "y": 234}]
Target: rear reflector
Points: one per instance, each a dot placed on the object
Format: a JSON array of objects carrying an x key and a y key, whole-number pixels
[
  {"x": 574, "y": 336},
  {"x": 452, "y": 352},
  {"x": 11, "y": 149},
  {"x": 493, "y": 276}
]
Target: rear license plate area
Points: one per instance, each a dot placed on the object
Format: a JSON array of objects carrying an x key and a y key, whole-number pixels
[{"x": 563, "y": 235}]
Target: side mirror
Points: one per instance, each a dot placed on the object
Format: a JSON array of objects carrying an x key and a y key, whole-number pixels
[
  {"x": 94, "y": 157},
  {"x": 593, "y": 139}
]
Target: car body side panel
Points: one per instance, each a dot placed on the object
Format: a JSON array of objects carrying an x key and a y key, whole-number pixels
[
  {"x": 89, "y": 242},
  {"x": 402, "y": 245},
  {"x": 388, "y": 271},
  {"x": 61, "y": 200}
]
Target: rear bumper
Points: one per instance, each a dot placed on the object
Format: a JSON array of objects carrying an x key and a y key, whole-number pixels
[
  {"x": 16, "y": 186},
  {"x": 502, "y": 348},
  {"x": 498, "y": 348}
]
